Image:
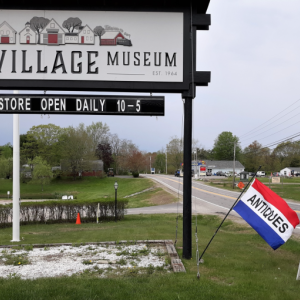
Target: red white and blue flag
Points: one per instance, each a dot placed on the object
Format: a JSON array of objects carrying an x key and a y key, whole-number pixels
[{"x": 268, "y": 214}]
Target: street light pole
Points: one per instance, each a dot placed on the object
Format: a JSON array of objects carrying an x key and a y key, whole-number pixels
[
  {"x": 116, "y": 188},
  {"x": 150, "y": 165}
]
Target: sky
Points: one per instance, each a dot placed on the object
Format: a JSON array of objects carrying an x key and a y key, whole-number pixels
[{"x": 253, "y": 52}]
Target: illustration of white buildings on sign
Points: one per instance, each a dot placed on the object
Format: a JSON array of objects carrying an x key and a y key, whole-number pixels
[
  {"x": 28, "y": 35},
  {"x": 84, "y": 36},
  {"x": 52, "y": 34},
  {"x": 7, "y": 34},
  {"x": 71, "y": 38}
]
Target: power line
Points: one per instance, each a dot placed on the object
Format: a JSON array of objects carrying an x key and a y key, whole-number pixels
[
  {"x": 281, "y": 130},
  {"x": 276, "y": 143},
  {"x": 283, "y": 140},
  {"x": 275, "y": 126},
  {"x": 269, "y": 119}
]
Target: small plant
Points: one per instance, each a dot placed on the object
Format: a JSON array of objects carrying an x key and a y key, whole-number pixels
[
  {"x": 144, "y": 251},
  {"x": 134, "y": 254},
  {"x": 133, "y": 263},
  {"x": 124, "y": 252},
  {"x": 97, "y": 270},
  {"x": 46, "y": 248},
  {"x": 87, "y": 262},
  {"x": 79, "y": 254},
  {"x": 90, "y": 248},
  {"x": 15, "y": 260},
  {"x": 167, "y": 261},
  {"x": 133, "y": 272},
  {"x": 17, "y": 247},
  {"x": 13, "y": 276},
  {"x": 28, "y": 247},
  {"x": 160, "y": 268},
  {"x": 121, "y": 262},
  {"x": 150, "y": 269},
  {"x": 160, "y": 253},
  {"x": 76, "y": 245}
]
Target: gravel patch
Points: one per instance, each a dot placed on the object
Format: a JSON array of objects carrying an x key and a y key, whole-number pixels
[{"x": 69, "y": 260}]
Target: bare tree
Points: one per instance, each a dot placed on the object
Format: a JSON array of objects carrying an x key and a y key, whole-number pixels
[
  {"x": 38, "y": 24},
  {"x": 99, "y": 30},
  {"x": 99, "y": 133},
  {"x": 71, "y": 23}
]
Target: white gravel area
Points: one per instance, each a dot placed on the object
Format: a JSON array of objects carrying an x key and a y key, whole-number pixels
[{"x": 69, "y": 260}]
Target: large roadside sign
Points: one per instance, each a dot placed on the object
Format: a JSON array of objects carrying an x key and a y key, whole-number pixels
[
  {"x": 102, "y": 50},
  {"x": 103, "y": 46}
]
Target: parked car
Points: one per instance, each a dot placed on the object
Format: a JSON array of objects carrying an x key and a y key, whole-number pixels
[
  {"x": 228, "y": 174},
  {"x": 251, "y": 174},
  {"x": 220, "y": 173},
  {"x": 260, "y": 174},
  {"x": 208, "y": 174},
  {"x": 276, "y": 174},
  {"x": 110, "y": 172}
]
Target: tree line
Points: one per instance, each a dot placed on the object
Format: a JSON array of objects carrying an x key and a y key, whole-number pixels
[
  {"x": 286, "y": 154},
  {"x": 47, "y": 146}
]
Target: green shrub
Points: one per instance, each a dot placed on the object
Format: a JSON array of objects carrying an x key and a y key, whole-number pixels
[
  {"x": 135, "y": 174},
  {"x": 62, "y": 211}
]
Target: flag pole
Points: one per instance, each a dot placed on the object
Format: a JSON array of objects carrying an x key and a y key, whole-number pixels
[{"x": 238, "y": 198}]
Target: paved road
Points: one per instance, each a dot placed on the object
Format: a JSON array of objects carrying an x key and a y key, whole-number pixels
[{"x": 205, "y": 200}]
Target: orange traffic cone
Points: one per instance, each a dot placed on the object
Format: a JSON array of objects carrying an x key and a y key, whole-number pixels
[{"x": 78, "y": 222}]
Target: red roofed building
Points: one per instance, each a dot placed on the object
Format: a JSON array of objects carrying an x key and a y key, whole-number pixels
[{"x": 110, "y": 38}]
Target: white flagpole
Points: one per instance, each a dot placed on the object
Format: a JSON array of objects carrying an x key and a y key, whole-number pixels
[{"x": 16, "y": 178}]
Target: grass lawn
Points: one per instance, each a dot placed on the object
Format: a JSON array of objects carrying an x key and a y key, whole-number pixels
[
  {"x": 290, "y": 189},
  {"x": 90, "y": 188},
  {"x": 85, "y": 188},
  {"x": 238, "y": 264}
]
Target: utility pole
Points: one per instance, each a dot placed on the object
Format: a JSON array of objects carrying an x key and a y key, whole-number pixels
[
  {"x": 197, "y": 164},
  {"x": 167, "y": 160},
  {"x": 234, "y": 145},
  {"x": 150, "y": 165}
]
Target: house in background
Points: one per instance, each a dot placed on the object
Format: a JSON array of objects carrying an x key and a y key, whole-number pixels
[
  {"x": 289, "y": 171},
  {"x": 214, "y": 166},
  {"x": 95, "y": 168},
  {"x": 28, "y": 35},
  {"x": 52, "y": 34},
  {"x": 7, "y": 34}
]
